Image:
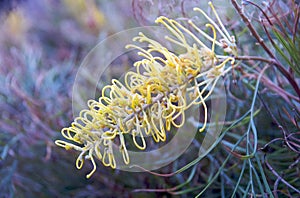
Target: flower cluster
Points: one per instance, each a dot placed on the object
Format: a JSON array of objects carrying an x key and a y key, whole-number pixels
[{"x": 154, "y": 97}]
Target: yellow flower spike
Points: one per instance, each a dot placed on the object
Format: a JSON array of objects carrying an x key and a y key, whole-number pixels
[{"x": 155, "y": 96}]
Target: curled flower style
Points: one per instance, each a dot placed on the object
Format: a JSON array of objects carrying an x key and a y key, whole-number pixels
[{"x": 155, "y": 96}]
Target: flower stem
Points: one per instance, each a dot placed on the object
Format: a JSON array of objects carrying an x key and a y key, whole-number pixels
[{"x": 273, "y": 61}]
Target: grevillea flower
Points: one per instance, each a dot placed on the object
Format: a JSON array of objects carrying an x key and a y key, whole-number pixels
[{"x": 155, "y": 96}]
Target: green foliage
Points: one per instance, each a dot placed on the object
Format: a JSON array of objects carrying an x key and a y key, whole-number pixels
[{"x": 290, "y": 51}]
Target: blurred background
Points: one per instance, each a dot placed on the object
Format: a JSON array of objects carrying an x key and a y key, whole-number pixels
[{"x": 42, "y": 44}]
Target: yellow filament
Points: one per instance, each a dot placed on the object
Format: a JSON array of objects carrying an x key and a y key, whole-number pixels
[
  {"x": 97, "y": 150},
  {"x": 149, "y": 98},
  {"x": 80, "y": 160},
  {"x": 168, "y": 124},
  {"x": 219, "y": 20},
  {"x": 134, "y": 134},
  {"x": 225, "y": 61},
  {"x": 146, "y": 119},
  {"x": 182, "y": 114},
  {"x": 160, "y": 134},
  {"x": 203, "y": 33},
  {"x": 215, "y": 36},
  {"x": 212, "y": 22},
  {"x": 205, "y": 113},
  {"x": 93, "y": 163},
  {"x": 67, "y": 145},
  {"x": 124, "y": 149}
]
